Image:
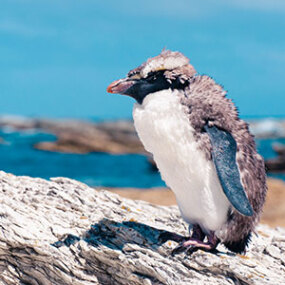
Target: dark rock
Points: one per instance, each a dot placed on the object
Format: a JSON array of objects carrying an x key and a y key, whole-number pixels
[
  {"x": 277, "y": 164},
  {"x": 279, "y": 149}
]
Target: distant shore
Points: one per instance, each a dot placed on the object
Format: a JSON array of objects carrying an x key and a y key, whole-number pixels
[
  {"x": 273, "y": 214},
  {"x": 120, "y": 137}
]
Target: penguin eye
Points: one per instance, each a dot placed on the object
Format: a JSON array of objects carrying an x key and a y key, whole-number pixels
[{"x": 152, "y": 76}]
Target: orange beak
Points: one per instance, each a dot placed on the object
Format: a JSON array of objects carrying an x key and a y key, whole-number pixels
[{"x": 120, "y": 86}]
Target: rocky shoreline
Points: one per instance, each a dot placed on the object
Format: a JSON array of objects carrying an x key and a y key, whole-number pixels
[
  {"x": 77, "y": 136},
  {"x": 277, "y": 164},
  {"x": 119, "y": 137}
]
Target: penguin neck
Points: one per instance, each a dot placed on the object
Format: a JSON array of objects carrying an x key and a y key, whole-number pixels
[{"x": 162, "y": 100}]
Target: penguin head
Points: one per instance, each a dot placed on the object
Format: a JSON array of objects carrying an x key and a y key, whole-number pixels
[{"x": 168, "y": 70}]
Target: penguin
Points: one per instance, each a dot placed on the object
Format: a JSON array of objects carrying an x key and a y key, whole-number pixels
[{"x": 205, "y": 153}]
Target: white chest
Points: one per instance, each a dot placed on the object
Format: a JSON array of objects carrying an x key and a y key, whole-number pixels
[{"x": 165, "y": 131}]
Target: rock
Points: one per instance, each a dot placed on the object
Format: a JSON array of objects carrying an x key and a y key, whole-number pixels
[
  {"x": 279, "y": 149},
  {"x": 77, "y": 136},
  {"x": 84, "y": 137},
  {"x": 118, "y": 137},
  {"x": 268, "y": 128},
  {"x": 277, "y": 164},
  {"x": 63, "y": 232}
]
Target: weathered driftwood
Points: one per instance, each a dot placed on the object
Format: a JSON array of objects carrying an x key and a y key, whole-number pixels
[{"x": 63, "y": 232}]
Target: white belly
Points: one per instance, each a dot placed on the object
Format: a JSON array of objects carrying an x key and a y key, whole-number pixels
[{"x": 165, "y": 131}]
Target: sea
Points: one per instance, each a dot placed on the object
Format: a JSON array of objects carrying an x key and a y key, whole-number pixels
[{"x": 17, "y": 156}]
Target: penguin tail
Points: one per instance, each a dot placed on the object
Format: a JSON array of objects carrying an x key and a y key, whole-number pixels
[{"x": 238, "y": 246}]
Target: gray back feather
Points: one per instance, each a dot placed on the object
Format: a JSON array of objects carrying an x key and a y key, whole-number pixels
[{"x": 206, "y": 102}]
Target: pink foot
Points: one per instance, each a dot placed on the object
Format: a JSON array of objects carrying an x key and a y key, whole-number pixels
[{"x": 192, "y": 244}]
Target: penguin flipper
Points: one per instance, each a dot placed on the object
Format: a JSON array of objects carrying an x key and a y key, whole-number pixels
[{"x": 224, "y": 150}]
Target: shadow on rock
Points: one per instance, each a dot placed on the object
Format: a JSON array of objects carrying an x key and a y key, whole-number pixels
[{"x": 116, "y": 234}]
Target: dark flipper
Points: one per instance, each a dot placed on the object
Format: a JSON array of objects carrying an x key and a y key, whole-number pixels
[{"x": 224, "y": 150}]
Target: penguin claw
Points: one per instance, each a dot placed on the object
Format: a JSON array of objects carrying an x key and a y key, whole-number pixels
[
  {"x": 178, "y": 249},
  {"x": 192, "y": 245},
  {"x": 195, "y": 248},
  {"x": 192, "y": 249},
  {"x": 185, "y": 246}
]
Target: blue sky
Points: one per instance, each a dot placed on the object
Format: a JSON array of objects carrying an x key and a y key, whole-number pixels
[{"x": 58, "y": 57}]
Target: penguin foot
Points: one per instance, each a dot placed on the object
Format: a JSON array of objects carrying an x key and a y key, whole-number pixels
[
  {"x": 188, "y": 246},
  {"x": 193, "y": 244}
]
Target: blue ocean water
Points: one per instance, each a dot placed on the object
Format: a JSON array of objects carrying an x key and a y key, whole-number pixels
[
  {"x": 264, "y": 147},
  {"x": 96, "y": 169}
]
